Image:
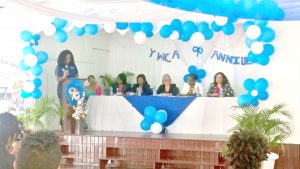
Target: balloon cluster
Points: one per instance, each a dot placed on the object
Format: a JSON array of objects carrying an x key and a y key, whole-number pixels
[
  {"x": 256, "y": 91},
  {"x": 186, "y": 31},
  {"x": 141, "y": 31},
  {"x": 32, "y": 62},
  {"x": 258, "y": 37},
  {"x": 90, "y": 29},
  {"x": 200, "y": 73},
  {"x": 223, "y": 23},
  {"x": 153, "y": 120},
  {"x": 60, "y": 35},
  {"x": 74, "y": 91},
  {"x": 33, "y": 40},
  {"x": 248, "y": 9}
]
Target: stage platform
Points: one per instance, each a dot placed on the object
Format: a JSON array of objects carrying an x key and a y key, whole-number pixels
[{"x": 110, "y": 149}]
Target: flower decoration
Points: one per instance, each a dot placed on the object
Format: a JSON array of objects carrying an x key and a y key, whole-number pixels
[
  {"x": 256, "y": 91},
  {"x": 79, "y": 108},
  {"x": 200, "y": 73},
  {"x": 74, "y": 92}
]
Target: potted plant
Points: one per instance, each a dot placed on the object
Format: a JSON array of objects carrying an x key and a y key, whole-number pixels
[
  {"x": 41, "y": 115},
  {"x": 272, "y": 123},
  {"x": 246, "y": 149}
]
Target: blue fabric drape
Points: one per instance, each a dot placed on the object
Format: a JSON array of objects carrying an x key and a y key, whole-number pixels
[{"x": 174, "y": 106}]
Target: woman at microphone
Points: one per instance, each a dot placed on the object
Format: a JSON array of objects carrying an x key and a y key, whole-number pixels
[{"x": 65, "y": 69}]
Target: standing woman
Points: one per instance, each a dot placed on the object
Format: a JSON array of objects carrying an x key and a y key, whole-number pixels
[
  {"x": 121, "y": 86},
  {"x": 142, "y": 88},
  {"x": 167, "y": 88},
  {"x": 65, "y": 69},
  {"x": 220, "y": 87},
  {"x": 92, "y": 89}
]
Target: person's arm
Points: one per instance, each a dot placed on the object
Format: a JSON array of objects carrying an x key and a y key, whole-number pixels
[
  {"x": 211, "y": 91},
  {"x": 228, "y": 92},
  {"x": 160, "y": 90},
  {"x": 175, "y": 90},
  {"x": 147, "y": 91},
  {"x": 127, "y": 88}
]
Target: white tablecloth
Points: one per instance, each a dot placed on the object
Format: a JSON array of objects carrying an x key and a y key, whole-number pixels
[{"x": 205, "y": 115}]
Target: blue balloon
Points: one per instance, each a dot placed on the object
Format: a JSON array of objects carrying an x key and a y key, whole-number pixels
[
  {"x": 252, "y": 57},
  {"x": 37, "y": 70},
  {"x": 79, "y": 31},
  {"x": 208, "y": 34},
  {"x": 189, "y": 5},
  {"x": 261, "y": 23},
  {"x": 156, "y": 1},
  {"x": 215, "y": 27},
  {"x": 161, "y": 116},
  {"x": 122, "y": 25},
  {"x": 25, "y": 95},
  {"x": 245, "y": 100},
  {"x": 61, "y": 36},
  {"x": 23, "y": 66},
  {"x": 201, "y": 73},
  {"x": 185, "y": 37},
  {"x": 185, "y": 78},
  {"x": 189, "y": 27},
  {"x": 203, "y": 27},
  {"x": 91, "y": 29},
  {"x": 145, "y": 125},
  {"x": 228, "y": 29},
  {"x": 36, "y": 37},
  {"x": 268, "y": 50},
  {"x": 267, "y": 35},
  {"x": 135, "y": 27},
  {"x": 263, "y": 95},
  {"x": 261, "y": 84},
  {"x": 37, "y": 82},
  {"x": 176, "y": 24},
  {"x": 36, "y": 94},
  {"x": 28, "y": 50},
  {"x": 149, "y": 113},
  {"x": 247, "y": 24},
  {"x": 249, "y": 84},
  {"x": 149, "y": 34},
  {"x": 255, "y": 102},
  {"x": 171, "y": 3},
  {"x": 199, "y": 80},
  {"x": 42, "y": 57},
  {"x": 26, "y": 36},
  {"x": 59, "y": 23},
  {"x": 249, "y": 42},
  {"x": 166, "y": 31},
  {"x": 146, "y": 27},
  {"x": 263, "y": 60},
  {"x": 193, "y": 69}
]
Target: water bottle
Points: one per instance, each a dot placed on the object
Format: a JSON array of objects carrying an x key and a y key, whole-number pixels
[
  {"x": 221, "y": 93},
  {"x": 111, "y": 92},
  {"x": 198, "y": 92},
  {"x": 154, "y": 91}
]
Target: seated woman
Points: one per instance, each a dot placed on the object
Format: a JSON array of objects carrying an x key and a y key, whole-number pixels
[
  {"x": 192, "y": 88},
  {"x": 92, "y": 89},
  {"x": 167, "y": 88},
  {"x": 220, "y": 87},
  {"x": 141, "y": 88},
  {"x": 121, "y": 87}
]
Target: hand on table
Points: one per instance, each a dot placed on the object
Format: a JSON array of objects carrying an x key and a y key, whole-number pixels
[{"x": 214, "y": 95}]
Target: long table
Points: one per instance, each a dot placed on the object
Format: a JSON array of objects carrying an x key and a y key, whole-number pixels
[{"x": 205, "y": 115}]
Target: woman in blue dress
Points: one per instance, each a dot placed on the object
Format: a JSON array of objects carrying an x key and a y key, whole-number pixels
[
  {"x": 65, "y": 69},
  {"x": 141, "y": 88}
]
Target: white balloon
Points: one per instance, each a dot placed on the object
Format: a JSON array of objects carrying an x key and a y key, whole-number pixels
[
  {"x": 110, "y": 27},
  {"x": 253, "y": 32},
  {"x": 79, "y": 24},
  {"x": 257, "y": 47},
  {"x": 49, "y": 30},
  {"x": 156, "y": 128},
  {"x": 30, "y": 60},
  {"x": 28, "y": 86},
  {"x": 123, "y": 32},
  {"x": 221, "y": 20},
  {"x": 254, "y": 93},
  {"x": 174, "y": 35},
  {"x": 140, "y": 37},
  {"x": 197, "y": 39}
]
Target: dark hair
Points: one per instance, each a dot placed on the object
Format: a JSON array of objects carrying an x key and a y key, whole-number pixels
[
  {"x": 123, "y": 78},
  {"x": 225, "y": 80},
  {"x": 62, "y": 56},
  {"x": 193, "y": 76},
  {"x": 91, "y": 76},
  {"x": 143, "y": 77},
  {"x": 9, "y": 126},
  {"x": 39, "y": 150}
]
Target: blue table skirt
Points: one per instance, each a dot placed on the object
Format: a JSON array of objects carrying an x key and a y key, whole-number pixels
[{"x": 174, "y": 106}]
